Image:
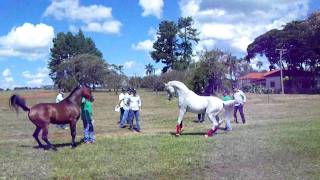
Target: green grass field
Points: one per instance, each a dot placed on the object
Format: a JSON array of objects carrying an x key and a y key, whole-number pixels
[{"x": 281, "y": 140}]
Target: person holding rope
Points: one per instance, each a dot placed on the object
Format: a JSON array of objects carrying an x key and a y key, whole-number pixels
[{"x": 240, "y": 97}]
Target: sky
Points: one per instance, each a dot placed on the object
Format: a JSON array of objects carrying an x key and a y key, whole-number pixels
[{"x": 124, "y": 30}]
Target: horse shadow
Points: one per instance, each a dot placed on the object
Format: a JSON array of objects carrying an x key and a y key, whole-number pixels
[
  {"x": 190, "y": 133},
  {"x": 199, "y": 133},
  {"x": 47, "y": 147}
]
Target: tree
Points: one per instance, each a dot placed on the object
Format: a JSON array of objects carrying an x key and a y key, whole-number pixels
[
  {"x": 259, "y": 64},
  {"x": 231, "y": 63},
  {"x": 115, "y": 81},
  {"x": 299, "y": 38},
  {"x": 85, "y": 69},
  {"x": 66, "y": 46},
  {"x": 118, "y": 68},
  {"x": 301, "y": 41},
  {"x": 149, "y": 69},
  {"x": 166, "y": 44},
  {"x": 187, "y": 36},
  {"x": 210, "y": 73}
]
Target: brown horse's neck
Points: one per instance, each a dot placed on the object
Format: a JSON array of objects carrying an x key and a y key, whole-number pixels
[{"x": 75, "y": 97}]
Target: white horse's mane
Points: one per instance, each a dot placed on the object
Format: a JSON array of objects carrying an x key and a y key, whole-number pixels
[{"x": 178, "y": 84}]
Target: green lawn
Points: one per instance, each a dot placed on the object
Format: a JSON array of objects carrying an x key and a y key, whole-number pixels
[{"x": 280, "y": 141}]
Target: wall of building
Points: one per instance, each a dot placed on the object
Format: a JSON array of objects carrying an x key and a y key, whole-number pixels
[{"x": 276, "y": 81}]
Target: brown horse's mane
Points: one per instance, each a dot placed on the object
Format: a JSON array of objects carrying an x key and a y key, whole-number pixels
[{"x": 73, "y": 91}]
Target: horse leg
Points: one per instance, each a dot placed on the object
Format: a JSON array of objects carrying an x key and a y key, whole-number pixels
[
  {"x": 73, "y": 130},
  {"x": 179, "y": 125},
  {"x": 219, "y": 121},
  {"x": 45, "y": 137},
  {"x": 36, "y": 134},
  {"x": 215, "y": 124}
]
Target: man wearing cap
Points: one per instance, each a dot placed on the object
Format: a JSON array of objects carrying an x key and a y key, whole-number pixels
[{"x": 240, "y": 97}]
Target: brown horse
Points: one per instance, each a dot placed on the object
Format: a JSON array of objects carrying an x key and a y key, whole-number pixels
[{"x": 65, "y": 112}]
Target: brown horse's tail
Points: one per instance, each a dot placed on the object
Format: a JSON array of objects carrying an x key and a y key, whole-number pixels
[{"x": 16, "y": 101}]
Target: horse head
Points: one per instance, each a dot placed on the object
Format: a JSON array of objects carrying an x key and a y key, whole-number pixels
[
  {"x": 86, "y": 92},
  {"x": 170, "y": 90}
]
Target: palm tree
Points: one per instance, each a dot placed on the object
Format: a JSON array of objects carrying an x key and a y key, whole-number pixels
[
  {"x": 259, "y": 64},
  {"x": 149, "y": 69}
]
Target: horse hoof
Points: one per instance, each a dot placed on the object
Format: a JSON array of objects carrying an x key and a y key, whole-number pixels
[{"x": 177, "y": 135}]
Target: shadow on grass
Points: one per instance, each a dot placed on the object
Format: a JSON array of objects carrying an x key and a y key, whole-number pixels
[
  {"x": 46, "y": 147},
  {"x": 189, "y": 133}
]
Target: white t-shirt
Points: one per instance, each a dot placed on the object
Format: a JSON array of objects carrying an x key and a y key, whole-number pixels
[
  {"x": 59, "y": 98},
  {"x": 126, "y": 101},
  {"x": 135, "y": 103},
  {"x": 240, "y": 97},
  {"x": 121, "y": 97}
]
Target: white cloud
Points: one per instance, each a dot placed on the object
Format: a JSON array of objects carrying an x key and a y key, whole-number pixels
[
  {"x": 205, "y": 44},
  {"x": 158, "y": 71},
  {"x": 146, "y": 45},
  {"x": 217, "y": 31},
  {"x": 73, "y": 29},
  {"x": 7, "y": 75},
  {"x": 71, "y": 9},
  {"x": 106, "y": 27},
  {"x": 41, "y": 77},
  {"x": 129, "y": 64},
  {"x": 27, "y": 41},
  {"x": 151, "y": 8},
  {"x": 152, "y": 32},
  {"x": 95, "y": 18},
  {"x": 237, "y": 23},
  {"x": 263, "y": 59}
]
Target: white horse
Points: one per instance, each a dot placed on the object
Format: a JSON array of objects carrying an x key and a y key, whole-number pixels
[{"x": 191, "y": 102}]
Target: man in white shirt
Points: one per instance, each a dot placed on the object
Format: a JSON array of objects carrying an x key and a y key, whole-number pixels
[
  {"x": 59, "y": 98},
  {"x": 126, "y": 108},
  {"x": 135, "y": 107},
  {"x": 121, "y": 103},
  {"x": 240, "y": 97}
]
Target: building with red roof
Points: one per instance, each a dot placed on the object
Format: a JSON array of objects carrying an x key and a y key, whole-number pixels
[{"x": 303, "y": 80}]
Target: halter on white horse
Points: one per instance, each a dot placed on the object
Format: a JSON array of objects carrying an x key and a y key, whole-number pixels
[{"x": 191, "y": 102}]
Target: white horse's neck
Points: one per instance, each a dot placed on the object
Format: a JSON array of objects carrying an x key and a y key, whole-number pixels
[{"x": 180, "y": 88}]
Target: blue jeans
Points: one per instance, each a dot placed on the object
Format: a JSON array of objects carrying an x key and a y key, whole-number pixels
[
  {"x": 121, "y": 114},
  {"x": 124, "y": 118},
  {"x": 88, "y": 131},
  {"x": 136, "y": 115},
  {"x": 130, "y": 118}
]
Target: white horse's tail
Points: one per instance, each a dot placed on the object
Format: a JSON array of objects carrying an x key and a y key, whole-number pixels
[{"x": 229, "y": 103}]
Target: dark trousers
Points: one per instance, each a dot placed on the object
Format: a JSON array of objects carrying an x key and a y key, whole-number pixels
[{"x": 240, "y": 108}]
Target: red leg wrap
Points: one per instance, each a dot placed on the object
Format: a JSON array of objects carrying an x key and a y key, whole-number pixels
[
  {"x": 210, "y": 132},
  {"x": 178, "y": 129}
]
